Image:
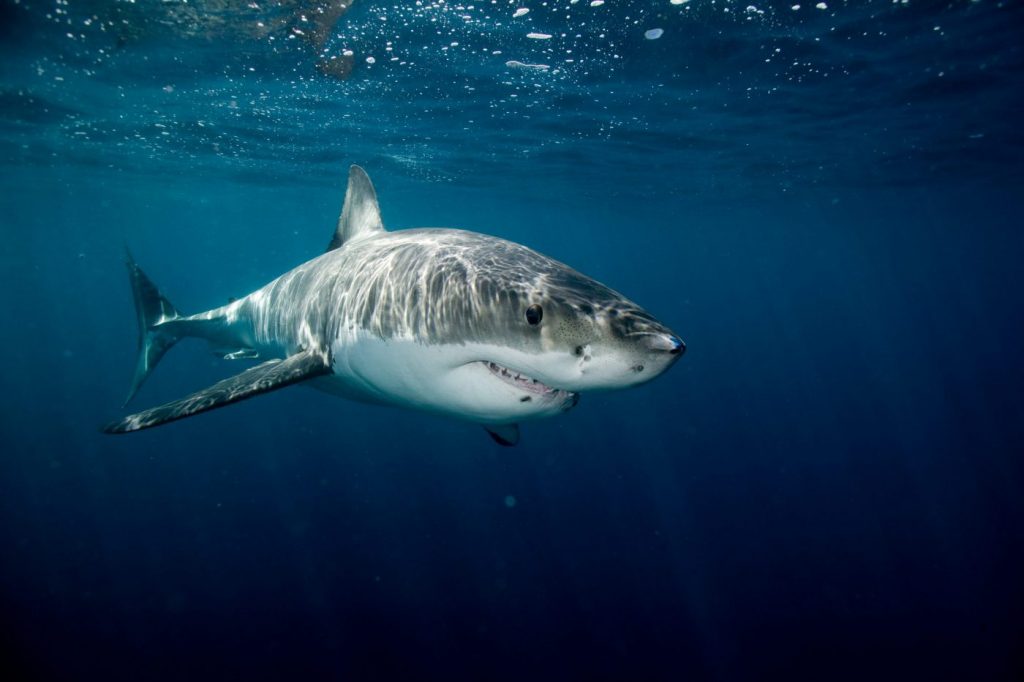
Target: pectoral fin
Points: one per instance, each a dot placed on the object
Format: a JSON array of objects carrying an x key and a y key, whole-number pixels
[
  {"x": 263, "y": 378},
  {"x": 504, "y": 434}
]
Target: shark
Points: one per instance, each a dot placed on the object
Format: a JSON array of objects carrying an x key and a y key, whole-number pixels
[{"x": 447, "y": 321}]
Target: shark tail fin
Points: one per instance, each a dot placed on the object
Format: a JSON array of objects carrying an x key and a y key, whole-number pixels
[{"x": 153, "y": 311}]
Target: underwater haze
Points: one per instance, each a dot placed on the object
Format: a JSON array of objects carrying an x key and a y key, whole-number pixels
[{"x": 824, "y": 200}]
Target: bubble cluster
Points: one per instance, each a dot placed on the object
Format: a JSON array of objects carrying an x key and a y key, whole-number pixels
[{"x": 296, "y": 86}]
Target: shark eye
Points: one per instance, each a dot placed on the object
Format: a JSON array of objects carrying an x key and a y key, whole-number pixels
[{"x": 534, "y": 314}]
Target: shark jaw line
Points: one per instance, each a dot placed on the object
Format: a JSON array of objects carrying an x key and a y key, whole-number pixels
[{"x": 523, "y": 382}]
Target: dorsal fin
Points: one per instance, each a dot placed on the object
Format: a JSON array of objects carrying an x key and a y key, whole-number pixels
[{"x": 360, "y": 217}]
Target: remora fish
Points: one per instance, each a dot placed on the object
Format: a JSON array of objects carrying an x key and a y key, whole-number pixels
[{"x": 448, "y": 321}]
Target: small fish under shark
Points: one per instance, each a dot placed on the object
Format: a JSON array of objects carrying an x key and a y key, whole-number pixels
[{"x": 446, "y": 321}]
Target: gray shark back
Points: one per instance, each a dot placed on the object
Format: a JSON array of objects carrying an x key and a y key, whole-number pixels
[{"x": 435, "y": 286}]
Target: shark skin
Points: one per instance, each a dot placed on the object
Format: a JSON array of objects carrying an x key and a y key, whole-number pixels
[{"x": 452, "y": 322}]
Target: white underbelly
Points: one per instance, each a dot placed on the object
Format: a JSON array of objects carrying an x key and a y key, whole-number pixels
[{"x": 447, "y": 379}]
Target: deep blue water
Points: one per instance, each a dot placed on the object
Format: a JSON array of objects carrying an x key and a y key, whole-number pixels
[{"x": 825, "y": 203}]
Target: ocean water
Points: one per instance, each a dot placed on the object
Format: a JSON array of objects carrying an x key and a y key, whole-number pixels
[{"x": 824, "y": 200}]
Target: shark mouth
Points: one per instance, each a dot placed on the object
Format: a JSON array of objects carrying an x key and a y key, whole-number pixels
[{"x": 525, "y": 383}]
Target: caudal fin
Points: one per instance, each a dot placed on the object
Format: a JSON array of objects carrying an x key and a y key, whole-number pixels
[{"x": 153, "y": 311}]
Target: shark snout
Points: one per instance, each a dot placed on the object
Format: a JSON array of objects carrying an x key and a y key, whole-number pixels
[{"x": 667, "y": 343}]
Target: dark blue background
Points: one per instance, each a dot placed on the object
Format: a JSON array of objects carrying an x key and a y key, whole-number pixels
[
  {"x": 827, "y": 486},
  {"x": 830, "y": 477}
]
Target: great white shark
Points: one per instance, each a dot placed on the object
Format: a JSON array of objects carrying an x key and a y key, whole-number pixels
[{"x": 446, "y": 321}]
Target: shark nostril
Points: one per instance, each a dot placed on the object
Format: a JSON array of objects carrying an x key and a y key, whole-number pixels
[{"x": 665, "y": 343}]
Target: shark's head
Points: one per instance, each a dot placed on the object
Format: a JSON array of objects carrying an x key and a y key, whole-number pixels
[
  {"x": 589, "y": 337},
  {"x": 564, "y": 330}
]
